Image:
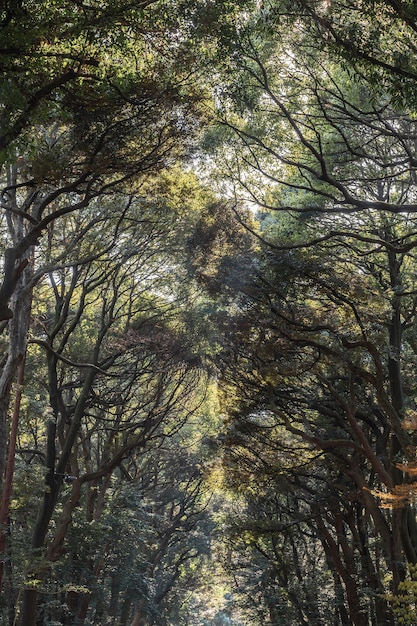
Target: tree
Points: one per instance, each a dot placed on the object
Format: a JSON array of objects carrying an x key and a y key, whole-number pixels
[
  {"x": 89, "y": 108},
  {"x": 377, "y": 39},
  {"x": 121, "y": 374},
  {"x": 321, "y": 346}
]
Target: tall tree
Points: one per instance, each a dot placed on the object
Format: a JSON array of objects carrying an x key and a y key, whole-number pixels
[
  {"x": 321, "y": 347},
  {"x": 112, "y": 344}
]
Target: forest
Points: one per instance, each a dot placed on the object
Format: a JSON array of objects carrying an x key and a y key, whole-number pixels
[{"x": 208, "y": 308}]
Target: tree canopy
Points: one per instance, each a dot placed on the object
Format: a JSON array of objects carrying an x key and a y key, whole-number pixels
[{"x": 207, "y": 313}]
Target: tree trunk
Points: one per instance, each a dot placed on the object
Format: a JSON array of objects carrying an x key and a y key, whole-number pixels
[
  {"x": 139, "y": 617},
  {"x": 18, "y": 331},
  {"x": 404, "y": 524},
  {"x": 7, "y": 490},
  {"x": 357, "y": 616},
  {"x": 53, "y": 485}
]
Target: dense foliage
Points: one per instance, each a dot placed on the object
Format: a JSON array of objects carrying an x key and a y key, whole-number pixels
[{"x": 207, "y": 313}]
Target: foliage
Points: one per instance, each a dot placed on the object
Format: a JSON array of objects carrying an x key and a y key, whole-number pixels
[
  {"x": 404, "y": 600},
  {"x": 317, "y": 365},
  {"x": 218, "y": 419}
]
